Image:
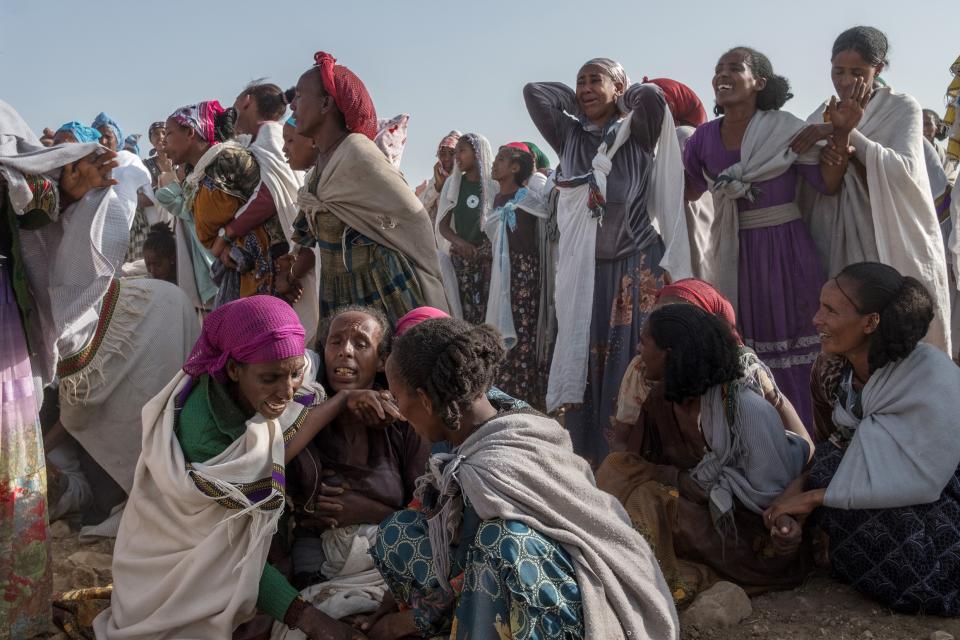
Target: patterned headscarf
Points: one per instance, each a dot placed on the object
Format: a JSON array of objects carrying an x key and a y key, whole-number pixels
[
  {"x": 612, "y": 68},
  {"x": 415, "y": 317},
  {"x": 200, "y": 117},
  {"x": 449, "y": 141},
  {"x": 81, "y": 132},
  {"x": 684, "y": 104},
  {"x": 702, "y": 294},
  {"x": 250, "y": 330},
  {"x": 105, "y": 120},
  {"x": 349, "y": 94},
  {"x": 159, "y": 124},
  {"x": 541, "y": 161},
  {"x": 392, "y": 137}
]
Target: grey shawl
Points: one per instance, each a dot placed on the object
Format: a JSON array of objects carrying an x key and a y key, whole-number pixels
[
  {"x": 521, "y": 466},
  {"x": 906, "y": 447},
  {"x": 752, "y": 457}
]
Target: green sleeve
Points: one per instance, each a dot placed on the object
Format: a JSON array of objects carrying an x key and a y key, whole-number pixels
[{"x": 276, "y": 593}]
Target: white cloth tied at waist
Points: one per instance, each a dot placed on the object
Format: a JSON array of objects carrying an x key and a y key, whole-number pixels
[{"x": 770, "y": 216}]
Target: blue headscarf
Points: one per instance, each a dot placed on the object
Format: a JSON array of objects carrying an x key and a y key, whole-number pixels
[
  {"x": 132, "y": 143},
  {"x": 104, "y": 119},
  {"x": 81, "y": 132}
]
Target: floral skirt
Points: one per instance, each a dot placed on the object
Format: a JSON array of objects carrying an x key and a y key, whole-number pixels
[
  {"x": 516, "y": 583},
  {"x": 25, "y": 565},
  {"x": 473, "y": 278},
  {"x": 521, "y": 375}
]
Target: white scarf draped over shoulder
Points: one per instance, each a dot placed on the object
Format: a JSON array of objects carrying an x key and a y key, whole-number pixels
[
  {"x": 284, "y": 185},
  {"x": 764, "y": 154},
  {"x": 447, "y": 202},
  {"x": 578, "y": 246},
  {"x": 892, "y": 218},
  {"x": 194, "y": 538},
  {"x": 521, "y": 466},
  {"x": 906, "y": 447}
]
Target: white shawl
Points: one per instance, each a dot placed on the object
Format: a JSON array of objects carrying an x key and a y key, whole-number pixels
[
  {"x": 890, "y": 219},
  {"x": 187, "y": 564},
  {"x": 284, "y": 184},
  {"x": 521, "y": 466},
  {"x": 578, "y": 246},
  {"x": 764, "y": 154},
  {"x": 907, "y": 445},
  {"x": 445, "y": 206}
]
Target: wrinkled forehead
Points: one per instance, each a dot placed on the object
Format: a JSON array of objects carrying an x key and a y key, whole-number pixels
[{"x": 356, "y": 323}]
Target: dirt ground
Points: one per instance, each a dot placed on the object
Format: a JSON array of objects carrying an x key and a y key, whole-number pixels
[{"x": 822, "y": 608}]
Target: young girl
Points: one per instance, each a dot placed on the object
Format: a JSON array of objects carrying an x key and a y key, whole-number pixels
[
  {"x": 160, "y": 253},
  {"x": 513, "y": 305},
  {"x": 465, "y": 204}
]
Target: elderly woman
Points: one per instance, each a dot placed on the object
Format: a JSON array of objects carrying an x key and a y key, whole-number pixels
[
  {"x": 710, "y": 454},
  {"x": 210, "y": 483},
  {"x": 885, "y": 485},
  {"x": 611, "y": 256},
  {"x": 491, "y": 548},
  {"x": 374, "y": 236}
]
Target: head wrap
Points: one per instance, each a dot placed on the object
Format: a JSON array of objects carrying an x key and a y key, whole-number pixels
[
  {"x": 392, "y": 137},
  {"x": 522, "y": 146},
  {"x": 159, "y": 124},
  {"x": 540, "y": 159},
  {"x": 415, "y": 317},
  {"x": 449, "y": 141},
  {"x": 81, "y": 132},
  {"x": 105, "y": 120},
  {"x": 132, "y": 143},
  {"x": 250, "y": 330},
  {"x": 612, "y": 68},
  {"x": 704, "y": 295},
  {"x": 200, "y": 117},
  {"x": 350, "y": 95},
  {"x": 684, "y": 104}
]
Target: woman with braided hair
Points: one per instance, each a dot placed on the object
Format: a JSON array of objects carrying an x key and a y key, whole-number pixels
[
  {"x": 712, "y": 454},
  {"x": 491, "y": 548},
  {"x": 885, "y": 485}
]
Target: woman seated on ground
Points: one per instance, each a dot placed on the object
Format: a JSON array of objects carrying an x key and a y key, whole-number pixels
[
  {"x": 636, "y": 385},
  {"x": 356, "y": 472},
  {"x": 710, "y": 455},
  {"x": 210, "y": 483},
  {"x": 885, "y": 487},
  {"x": 508, "y": 504}
]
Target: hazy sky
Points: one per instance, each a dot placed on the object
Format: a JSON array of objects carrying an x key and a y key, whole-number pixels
[{"x": 450, "y": 65}]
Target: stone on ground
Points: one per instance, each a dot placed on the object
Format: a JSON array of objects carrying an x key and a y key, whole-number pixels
[{"x": 722, "y": 605}]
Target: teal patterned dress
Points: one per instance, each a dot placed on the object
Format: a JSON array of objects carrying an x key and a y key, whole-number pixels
[{"x": 507, "y": 580}]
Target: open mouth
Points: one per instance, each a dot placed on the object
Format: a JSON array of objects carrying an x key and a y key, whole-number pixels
[
  {"x": 276, "y": 408},
  {"x": 345, "y": 372},
  {"x": 724, "y": 87}
]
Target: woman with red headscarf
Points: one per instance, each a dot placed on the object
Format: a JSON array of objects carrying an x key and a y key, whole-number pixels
[
  {"x": 374, "y": 236},
  {"x": 211, "y": 480}
]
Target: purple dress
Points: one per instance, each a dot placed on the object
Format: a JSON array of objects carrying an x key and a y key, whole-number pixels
[{"x": 779, "y": 275}]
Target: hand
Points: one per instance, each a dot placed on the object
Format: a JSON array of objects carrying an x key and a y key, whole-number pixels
[
  {"x": 832, "y": 156},
  {"x": 786, "y": 535},
  {"x": 799, "y": 506},
  {"x": 181, "y": 173},
  {"x": 463, "y": 249},
  {"x": 387, "y": 606},
  {"x": 319, "y": 626},
  {"x": 164, "y": 163},
  {"x": 845, "y": 113},
  {"x": 439, "y": 177},
  {"x": 88, "y": 173},
  {"x": 221, "y": 249},
  {"x": 372, "y": 407},
  {"x": 810, "y": 136}
]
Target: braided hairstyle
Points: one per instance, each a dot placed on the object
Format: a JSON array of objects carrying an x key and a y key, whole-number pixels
[
  {"x": 452, "y": 361},
  {"x": 225, "y": 125},
  {"x": 271, "y": 100},
  {"x": 870, "y": 43},
  {"x": 903, "y": 304},
  {"x": 386, "y": 331},
  {"x": 160, "y": 239},
  {"x": 777, "y": 90},
  {"x": 523, "y": 160},
  {"x": 702, "y": 351}
]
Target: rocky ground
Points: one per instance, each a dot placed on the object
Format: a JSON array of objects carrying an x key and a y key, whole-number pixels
[{"x": 821, "y": 608}]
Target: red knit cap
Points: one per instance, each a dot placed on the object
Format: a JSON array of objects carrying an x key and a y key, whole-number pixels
[{"x": 350, "y": 95}]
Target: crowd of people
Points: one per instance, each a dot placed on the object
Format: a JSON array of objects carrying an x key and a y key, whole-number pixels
[{"x": 517, "y": 401}]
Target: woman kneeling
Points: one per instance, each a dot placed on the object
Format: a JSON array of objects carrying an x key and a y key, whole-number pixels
[{"x": 712, "y": 456}]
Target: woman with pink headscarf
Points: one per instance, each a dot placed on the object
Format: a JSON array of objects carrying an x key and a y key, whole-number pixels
[{"x": 209, "y": 488}]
